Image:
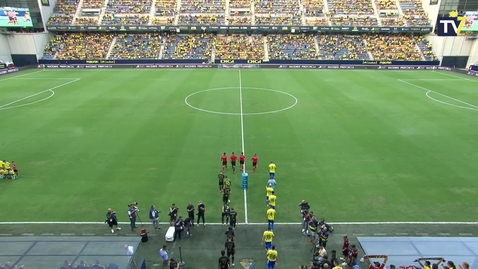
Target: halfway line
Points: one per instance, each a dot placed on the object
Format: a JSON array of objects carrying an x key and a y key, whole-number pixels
[
  {"x": 260, "y": 223},
  {"x": 241, "y": 113}
]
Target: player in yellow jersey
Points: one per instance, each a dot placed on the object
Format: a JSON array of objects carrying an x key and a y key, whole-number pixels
[
  {"x": 272, "y": 200},
  {"x": 6, "y": 165},
  {"x": 271, "y": 214},
  {"x": 267, "y": 238},
  {"x": 2, "y": 165},
  {"x": 269, "y": 191},
  {"x": 3, "y": 173},
  {"x": 272, "y": 170},
  {"x": 271, "y": 258}
]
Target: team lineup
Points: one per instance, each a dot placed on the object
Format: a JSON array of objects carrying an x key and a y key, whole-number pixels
[{"x": 229, "y": 215}]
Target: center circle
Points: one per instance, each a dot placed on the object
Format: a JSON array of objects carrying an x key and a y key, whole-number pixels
[{"x": 187, "y": 101}]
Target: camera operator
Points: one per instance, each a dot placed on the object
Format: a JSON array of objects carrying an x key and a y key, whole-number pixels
[
  {"x": 173, "y": 214},
  {"x": 190, "y": 210},
  {"x": 132, "y": 212},
  {"x": 154, "y": 216},
  {"x": 201, "y": 211},
  {"x": 112, "y": 220}
]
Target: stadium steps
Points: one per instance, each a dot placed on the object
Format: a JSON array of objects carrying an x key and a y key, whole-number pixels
[
  {"x": 302, "y": 12},
  {"x": 54, "y": 56},
  {"x": 400, "y": 11},
  {"x": 161, "y": 51},
  {"x": 103, "y": 11},
  {"x": 111, "y": 48},
  {"x": 213, "y": 55},
  {"x": 326, "y": 9},
  {"x": 253, "y": 13},
  {"x": 152, "y": 12},
  {"x": 178, "y": 8},
  {"x": 266, "y": 49},
  {"x": 78, "y": 12},
  {"x": 369, "y": 53},
  {"x": 316, "y": 44},
  {"x": 419, "y": 50},
  {"x": 375, "y": 11},
  {"x": 228, "y": 14}
]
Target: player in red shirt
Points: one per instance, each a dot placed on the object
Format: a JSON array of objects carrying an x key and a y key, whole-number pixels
[
  {"x": 376, "y": 265},
  {"x": 254, "y": 160},
  {"x": 233, "y": 162},
  {"x": 242, "y": 158},
  {"x": 354, "y": 260},
  {"x": 224, "y": 161}
]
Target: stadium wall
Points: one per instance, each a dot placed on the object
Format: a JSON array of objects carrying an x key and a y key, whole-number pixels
[
  {"x": 5, "y": 54},
  {"x": 46, "y": 11},
  {"x": 432, "y": 10},
  {"x": 28, "y": 44},
  {"x": 450, "y": 46},
  {"x": 473, "y": 59}
]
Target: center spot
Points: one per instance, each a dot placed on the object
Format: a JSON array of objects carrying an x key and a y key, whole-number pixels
[{"x": 255, "y": 101}]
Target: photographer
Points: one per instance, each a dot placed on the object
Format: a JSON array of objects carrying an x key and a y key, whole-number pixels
[
  {"x": 188, "y": 223},
  {"x": 179, "y": 227},
  {"x": 132, "y": 212},
  {"x": 173, "y": 213},
  {"x": 201, "y": 211},
  {"x": 154, "y": 216},
  {"x": 112, "y": 220}
]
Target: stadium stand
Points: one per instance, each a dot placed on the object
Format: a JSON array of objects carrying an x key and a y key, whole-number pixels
[
  {"x": 115, "y": 7},
  {"x": 187, "y": 46},
  {"x": 62, "y": 19},
  {"x": 414, "y": 13},
  {"x": 350, "y": 7},
  {"x": 86, "y": 21},
  {"x": 239, "y": 47},
  {"x": 342, "y": 47},
  {"x": 240, "y": 4},
  {"x": 78, "y": 46},
  {"x": 389, "y": 48},
  {"x": 280, "y": 12},
  {"x": 66, "y": 7},
  {"x": 292, "y": 47},
  {"x": 203, "y": 6},
  {"x": 136, "y": 46},
  {"x": 202, "y": 19},
  {"x": 93, "y": 4}
]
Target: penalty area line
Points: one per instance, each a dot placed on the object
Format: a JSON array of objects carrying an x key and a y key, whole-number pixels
[{"x": 257, "y": 223}]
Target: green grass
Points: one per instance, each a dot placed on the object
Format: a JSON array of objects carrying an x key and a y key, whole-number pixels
[{"x": 359, "y": 145}]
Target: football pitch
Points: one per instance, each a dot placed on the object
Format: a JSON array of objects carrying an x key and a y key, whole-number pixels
[{"x": 358, "y": 145}]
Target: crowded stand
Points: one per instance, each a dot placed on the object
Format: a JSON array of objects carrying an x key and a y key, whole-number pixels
[
  {"x": 240, "y": 4},
  {"x": 113, "y": 19},
  {"x": 392, "y": 20},
  {"x": 292, "y": 47},
  {"x": 280, "y": 12},
  {"x": 353, "y": 21},
  {"x": 93, "y": 4},
  {"x": 341, "y": 47},
  {"x": 66, "y": 7},
  {"x": 80, "y": 46},
  {"x": 136, "y": 46},
  {"x": 414, "y": 13},
  {"x": 162, "y": 21},
  {"x": 60, "y": 19},
  {"x": 239, "y": 47},
  {"x": 240, "y": 20},
  {"x": 165, "y": 7},
  {"x": 393, "y": 48},
  {"x": 316, "y": 21},
  {"x": 187, "y": 46},
  {"x": 128, "y": 6},
  {"x": 426, "y": 48},
  {"x": 350, "y": 7},
  {"x": 203, "y": 6},
  {"x": 313, "y": 8},
  {"x": 386, "y": 5},
  {"x": 86, "y": 21},
  {"x": 200, "y": 19}
]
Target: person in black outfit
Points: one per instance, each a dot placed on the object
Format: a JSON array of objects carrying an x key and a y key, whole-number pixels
[
  {"x": 190, "y": 209},
  {"x": 225, "y": 213},
  {"x": 231, "y": 249},
  {"x": 201, "y": 210},
  {"x": 233, "y": 218},
  {"x": 173, "y": 213},
  {"x": 173, "y": 264},
  {"x": 179, "y": 226},
  {"x": 188, "y": 223},
  {"x": 221, "y": 181},
  {"x": 223, "y": 261},
  {"x": 226, "y": 194},
  {"x": 230, "y": 233}
]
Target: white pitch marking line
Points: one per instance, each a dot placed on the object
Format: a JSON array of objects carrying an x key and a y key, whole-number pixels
[
  {"x": 422, "y": 233},
  {"x": 262, "y": 223},
  {"x": 432, "y": 79},
  {"x": 2, "y": 107},
  {"x": 49, "y": 234},
  {"x": 380, "y": 234},
  {"x": 467, "y": 234},
  {"x": 27, "y": 234},
  {"x": 444, "y": 234},
  {"x": 428, "y": 90},
  {"x": 401, "y": 234},
  {"x": 448, "y": 104},
  {"x": 88, "y": 234},
  {"x": 27, "y": 74},
  {"x": 6, "y": 234},
  {"x": 46, "y": 78},
  {"x": 242, "y": 141},
  {"x": 461, "y": 78},
  {"x": 67, "y": 234}
]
